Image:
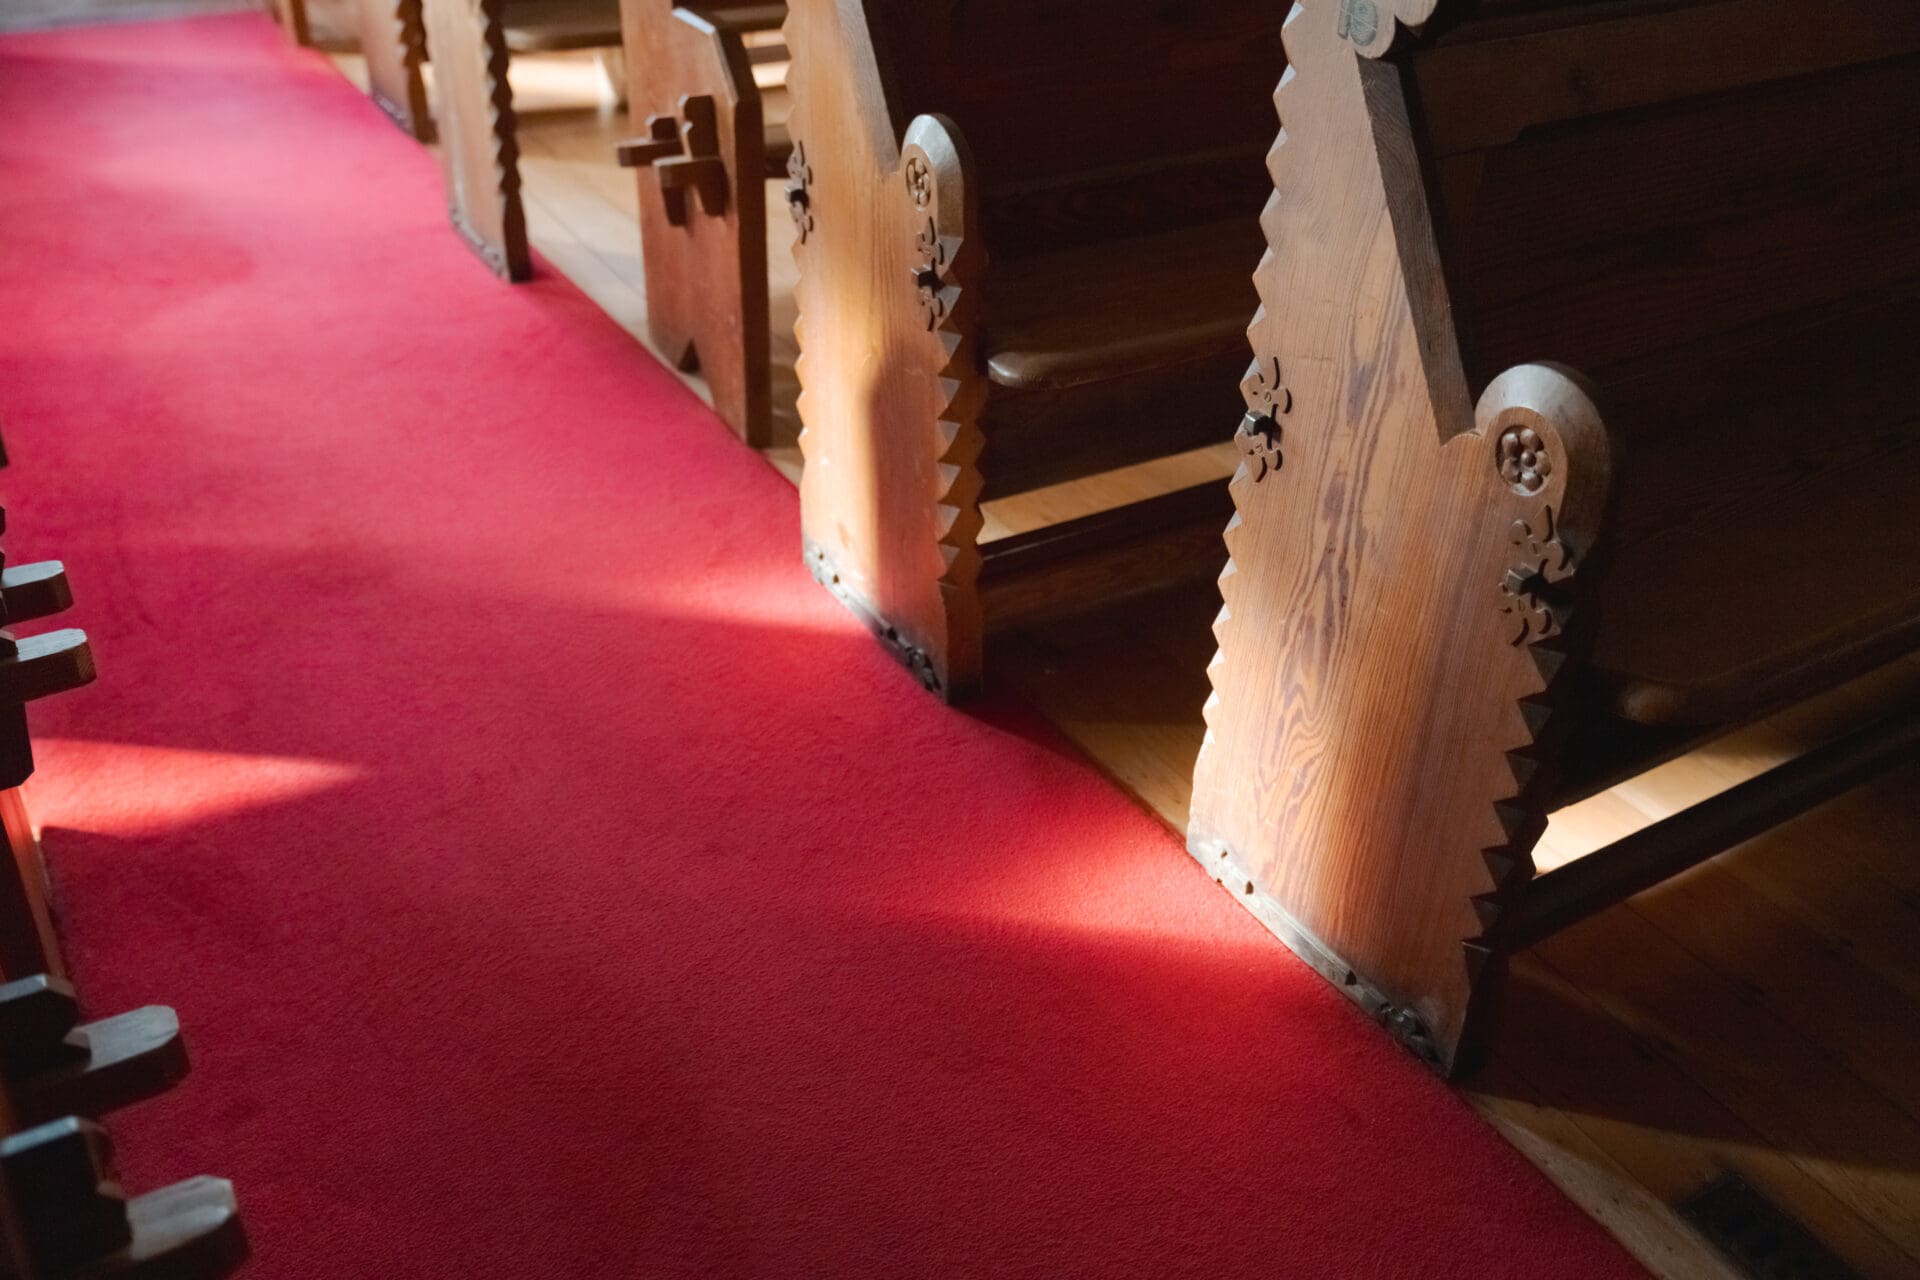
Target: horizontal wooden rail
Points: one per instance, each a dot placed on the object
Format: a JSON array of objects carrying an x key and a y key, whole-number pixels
[
  {"x": 752, "y": 17},
  {"x": 1105, "y": 556},
  {"x": 1610, "y": 875}
]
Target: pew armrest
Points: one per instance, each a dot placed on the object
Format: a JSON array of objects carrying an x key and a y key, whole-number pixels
[{"x": 935, "y": 164}]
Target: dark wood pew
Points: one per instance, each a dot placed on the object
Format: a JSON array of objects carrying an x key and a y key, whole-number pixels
[
  {"x": 472, "y": 43},
  {"x": 49, "y": 1062},
  {"x": 31, "y": 667},
  {"x": 62, "y": 1212},
  {"x": 1589, "y": 437},
  {"x": 52, "y": 1063},
  {"x": 1025, "y": 240},
  {"x": 707, "y": 138}
]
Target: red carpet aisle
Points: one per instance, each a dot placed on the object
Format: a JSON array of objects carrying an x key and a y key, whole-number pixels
[{"x": 552, "y": 880}]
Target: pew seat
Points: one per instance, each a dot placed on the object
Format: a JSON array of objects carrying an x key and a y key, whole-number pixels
[{"x": 558, "y": 26}]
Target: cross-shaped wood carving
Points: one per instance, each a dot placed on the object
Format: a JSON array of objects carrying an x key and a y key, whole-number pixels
[{"x": 684, "y": 150}]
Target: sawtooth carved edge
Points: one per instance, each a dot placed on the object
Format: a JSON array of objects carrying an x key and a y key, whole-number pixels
[
  {"x": 511, "y": 260},
  {"x": 1550, "y": 488},
  {"x": 932, "y": 181},
  {"x": 408, "y": 32},
  {"x": 1549, "y": 463}
]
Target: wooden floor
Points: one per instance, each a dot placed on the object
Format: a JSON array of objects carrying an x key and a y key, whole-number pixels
[{"x": 1759, "y": 1015}]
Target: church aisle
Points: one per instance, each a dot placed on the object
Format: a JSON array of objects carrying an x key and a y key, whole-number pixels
[{"x": 552, "y": 879}]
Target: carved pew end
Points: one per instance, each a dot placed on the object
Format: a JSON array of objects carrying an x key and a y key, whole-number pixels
[
  {"x": 70, "y": 1208},
  {"x": 43, "y": 665},
  {"x": 31, "y": 591},
  {"x": 56, "y": 1066},
  {"x": 189, "y": 1230},
  {"x": 77, "y": 1222},
  {"x": 702, "y": 126}
]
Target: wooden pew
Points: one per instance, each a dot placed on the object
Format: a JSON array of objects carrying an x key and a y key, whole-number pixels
[
  {"x": 473, "y": 42},
  {"x": 1589, "y": 436},
  {"x": 31, "y": 667},
  {"x": 707, "y": 140},
  {"x": 1025, "y": 237},
  {"x": 393, "y": 38},
  {"x": 292, "y": 17},
  {"x": 329, "y": 25},
  {"x": 62, "y": 1212},
  {"x": 50, "y": 1063}
]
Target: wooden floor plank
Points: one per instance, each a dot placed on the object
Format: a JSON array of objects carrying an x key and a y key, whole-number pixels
[
  {"x": 1128, "y": 696},
  {"x": 1653, "y": 1121},
  {"x": 1868, "y": 1024},
  {"x": 1857, "y": 915},
  {"x": 1554, "y": 1141},
  {"x": 1794, "y": 1093}
]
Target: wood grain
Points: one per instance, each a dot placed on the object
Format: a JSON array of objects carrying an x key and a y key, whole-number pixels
[
  {"x": 479, "y": 152},
  {"x": 393, "y": 39},
  {"x": 1367, "y": 681},
  {"x": 939, "y": 370},
  {"x": 706, "y": 271}
]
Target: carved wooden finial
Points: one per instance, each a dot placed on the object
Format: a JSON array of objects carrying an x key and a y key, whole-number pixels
[{"x": 1550, "y": 453}]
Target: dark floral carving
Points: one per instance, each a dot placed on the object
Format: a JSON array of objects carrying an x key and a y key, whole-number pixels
[
  {"x": 800, "y": 190},
  {"x": 1533, "y": 592},
  {"x": 920, "y": 181},
  {"x": 1268, "y": 400},
  {"x": 1523, "y": 459},
  {"x": 929, "y": 277}
]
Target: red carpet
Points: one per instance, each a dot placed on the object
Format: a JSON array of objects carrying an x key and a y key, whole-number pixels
[{"x": 553, "y": 881}]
